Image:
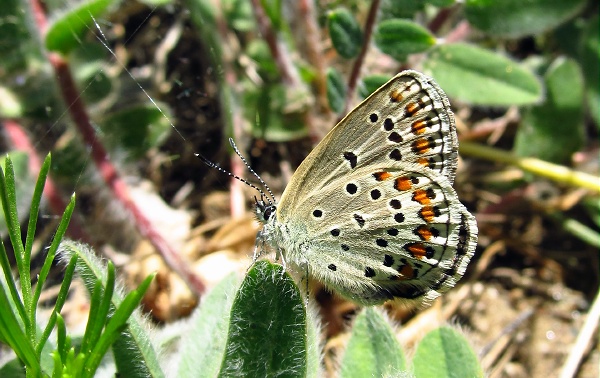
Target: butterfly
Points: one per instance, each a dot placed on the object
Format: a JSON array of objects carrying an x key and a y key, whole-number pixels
[{"x": 371, "y": 212}]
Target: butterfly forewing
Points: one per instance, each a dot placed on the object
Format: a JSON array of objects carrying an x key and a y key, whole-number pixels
[{"x": 407, "y": 120}]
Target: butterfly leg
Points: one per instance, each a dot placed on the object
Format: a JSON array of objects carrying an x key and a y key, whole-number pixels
[
  {"x": 260, "y": 238},
  {"x": 279, "y": 255},
  {"x": 305, "y": 278}
]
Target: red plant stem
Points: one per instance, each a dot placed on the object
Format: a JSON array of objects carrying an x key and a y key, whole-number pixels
[
  {"x": 20, "y": 140},
  {"x": 358, "y": 62},
  {"x": 440, "y": 18},
  {"x": 107, "y": 170}
]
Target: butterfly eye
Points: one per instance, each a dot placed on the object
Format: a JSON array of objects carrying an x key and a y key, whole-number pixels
[
  {"x": 264, "y": 211},
  {"x": 268, "y": 212}
]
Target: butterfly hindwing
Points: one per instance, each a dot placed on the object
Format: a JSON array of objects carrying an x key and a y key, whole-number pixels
[{"x": 386, "y": 232}]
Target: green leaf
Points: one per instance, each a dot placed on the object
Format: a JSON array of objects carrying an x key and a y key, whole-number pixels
[
  {"x": 134, "y": 353},
  {"x": 554, "y": 130},
  {"x": 336, "y": 90},
  {"x": 36, "y": 199},
  {"x": 400, "y": 8},
  {"x": 268, "y": 327},
  {"x": 68, "y": 27},
  {"x": 517, "y": 18},
  {"x": 60, "y": 232},
  {"x": 478, "y": 76},
  {"x": 370, "y": 84},
  {"x": 204, "y": 346},
  {"x": 117, "y": 323},
  {"x": 24, "y": 185},
  {"x": 60, "y": 301},
  {"x": 8, "y": 196},
  {"x": 400, "y": 38},
  {"x": 590, "y": 60},
  {"x": 345, "y": 32},
  {"x": 12, "y": 333},
  {"x": 373, "y": 350},
  {"x": 444, "y": 352}
]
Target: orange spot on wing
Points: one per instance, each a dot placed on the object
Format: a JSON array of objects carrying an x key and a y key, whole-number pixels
[
  {"x": 406, "y": 272},
  {"x": 424, "y": 232},
  {"x": 382, "y": 176},
  {"x": 423, "y": 161},
  {"x": 417, "y": 250},
  {"x": 396, "y": 96},
  {"x": 412, "y": 109},
  {"x": 402, "y": 183},
  {"x": 421, "y": 197},
  {"x": 420, "y": 146},
  {"x": 418, "y": 127},
  {"x": 427, "y": 214}
]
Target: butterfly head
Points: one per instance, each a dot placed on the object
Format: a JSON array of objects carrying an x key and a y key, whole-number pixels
[{"x": 265, "y": 209}]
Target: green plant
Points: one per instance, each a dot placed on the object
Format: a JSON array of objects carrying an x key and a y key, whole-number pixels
[
  {"x": 261, "y": 327},
  {"x": 19, "y": 326}
]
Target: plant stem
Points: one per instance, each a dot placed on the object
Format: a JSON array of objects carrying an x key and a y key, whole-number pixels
[{"x": 539, "y": 167}]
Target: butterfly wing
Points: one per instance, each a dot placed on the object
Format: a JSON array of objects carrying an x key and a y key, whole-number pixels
[
  {"x": 408, "y": 119},
  {"x": 388, "y": 231}
]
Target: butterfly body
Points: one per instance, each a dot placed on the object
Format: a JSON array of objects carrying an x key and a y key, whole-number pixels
[{"x": 371, "y": 211}]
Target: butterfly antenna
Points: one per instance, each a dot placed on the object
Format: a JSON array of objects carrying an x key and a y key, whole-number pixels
[
  {"x": 264, "y": 184},
  {"x": 218, "y": 168}
]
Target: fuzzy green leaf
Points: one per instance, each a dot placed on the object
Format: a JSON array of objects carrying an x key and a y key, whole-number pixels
[
  {"x": 400, "y": 38},
  {"x": 479, "y": 76},
  {"x": 444, "y": 352},
  {"x": 204, "y": 347},
  {"x": 558, "y": 118},
  {"x": 373, "y": 350},
  {"x": 517, "y": 18},
  {"x": 268, "y": 327},
  {"x": 345, "y": 32}
]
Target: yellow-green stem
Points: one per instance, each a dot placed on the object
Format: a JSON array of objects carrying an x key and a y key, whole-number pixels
[{"x": 539, "y": 167}]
